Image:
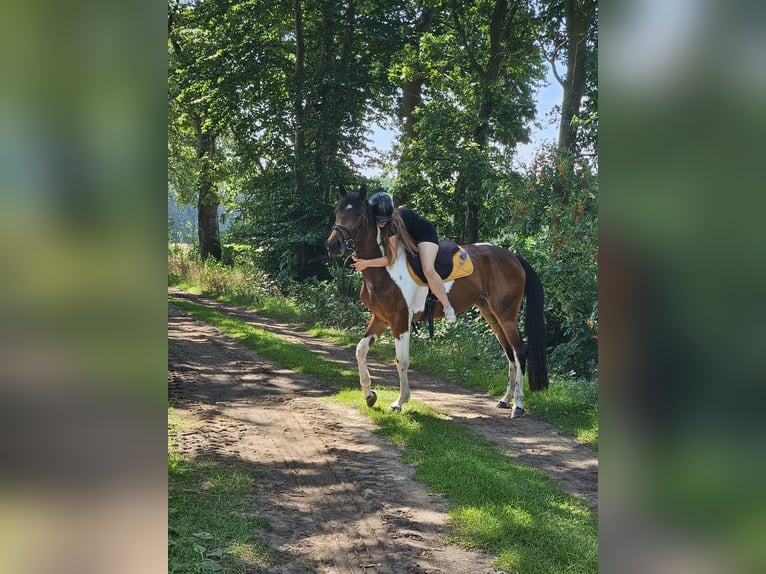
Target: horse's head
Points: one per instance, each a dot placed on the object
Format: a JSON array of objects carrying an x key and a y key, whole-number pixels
[{"x": 350, "y": 220}]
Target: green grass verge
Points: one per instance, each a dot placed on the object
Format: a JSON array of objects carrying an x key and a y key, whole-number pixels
[
  {"x": 571, "y": 405},
  {"x": 512, "y": 511},
  {"x": 290, "y": 355},
  {"x": 460, "y": 354},
  {"x": 208, "y": 529}
]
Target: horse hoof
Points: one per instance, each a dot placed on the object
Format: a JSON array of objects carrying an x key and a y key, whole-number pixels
[
  {"x": 517, "y": 413},
  {"x": 395, "y": 408},
  {"x": 503, "y": 405},
  {"x": 372, "y": 399}
]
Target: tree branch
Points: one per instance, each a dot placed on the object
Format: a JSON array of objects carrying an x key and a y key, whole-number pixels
[{"x": 464, "y": 39}]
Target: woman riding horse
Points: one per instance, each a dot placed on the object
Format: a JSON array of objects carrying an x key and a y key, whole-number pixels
[
  {"x": 418, "y": 237},
  {"x": 499, "y": 282}
]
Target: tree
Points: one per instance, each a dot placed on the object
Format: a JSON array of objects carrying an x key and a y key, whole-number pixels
[
  {"x": 192, "y": 112},
  {"x": 481, "y": 63},
  {"x": 322, "y": 78},
  {"x": 573, "y": 27}
]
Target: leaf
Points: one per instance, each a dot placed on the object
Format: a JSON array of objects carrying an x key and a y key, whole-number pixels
[
  {"x": 212, "y": 566},
  {"x": 199, "y": 549},
  {"x": 203, "y": 535}
]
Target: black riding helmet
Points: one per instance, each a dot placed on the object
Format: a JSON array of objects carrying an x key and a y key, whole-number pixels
[{"x": 382, "y": 206}]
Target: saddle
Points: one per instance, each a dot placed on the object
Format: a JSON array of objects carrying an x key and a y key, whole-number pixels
[{"x": 452, "y": 262}]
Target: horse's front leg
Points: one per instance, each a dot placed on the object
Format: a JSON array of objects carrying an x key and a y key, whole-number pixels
[
  {"x": 375, "y": 328},
  {"x": 402, "y": 344}
]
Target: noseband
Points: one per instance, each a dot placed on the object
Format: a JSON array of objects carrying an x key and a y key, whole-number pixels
[{"x": 348, "y": 236}]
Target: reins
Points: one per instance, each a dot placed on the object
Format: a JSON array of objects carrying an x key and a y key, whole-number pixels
[{"x": 348, "y": 237}]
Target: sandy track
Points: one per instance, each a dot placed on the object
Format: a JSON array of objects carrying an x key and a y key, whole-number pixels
[
  {"x": 337, "y": 496},
  {"x": 527, "y": 440}
]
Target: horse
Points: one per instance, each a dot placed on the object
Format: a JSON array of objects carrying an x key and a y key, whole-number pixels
[{"x": 499, "y": 281}]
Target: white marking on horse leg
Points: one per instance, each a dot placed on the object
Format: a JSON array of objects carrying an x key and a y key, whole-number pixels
[
  {"x": 402, "y": 344},
  {"x": 518, "y": 395},
  {"x": 515, "y": 383},
  {"x": 414, "y": 294},
  {"x": 361, "y": 360}
]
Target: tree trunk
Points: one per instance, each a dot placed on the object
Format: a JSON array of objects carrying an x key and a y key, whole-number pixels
[
  {"x": 298, "y": 105},
  {"x": 207, "y": 198},
  {"x": 207, "y": 222},
  {"x": 471, "y": 232},
  {"x": 578, "y": 15}
]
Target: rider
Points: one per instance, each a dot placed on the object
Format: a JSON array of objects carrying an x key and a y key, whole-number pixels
[{"x": 418, "y": 236}]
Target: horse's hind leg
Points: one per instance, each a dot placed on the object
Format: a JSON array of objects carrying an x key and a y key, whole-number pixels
[
  {"x": 402, "y": 344},
  {"x": 375, "y": 328},
  {"x": 512, "y": 353}
]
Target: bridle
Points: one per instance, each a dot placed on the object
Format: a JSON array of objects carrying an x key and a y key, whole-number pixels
[{"x": 348, "y": 237}]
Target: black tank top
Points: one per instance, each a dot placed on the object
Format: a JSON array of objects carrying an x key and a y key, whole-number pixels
[{"x": 418, "y": 227}]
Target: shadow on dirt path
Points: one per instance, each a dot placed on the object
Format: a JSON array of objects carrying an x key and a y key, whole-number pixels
[
  {"x": 528, "y": 441},
  {"x": 336, "y": 495}
]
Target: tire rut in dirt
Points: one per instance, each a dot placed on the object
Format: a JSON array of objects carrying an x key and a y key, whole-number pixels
[
  {"x": 337, "y": 496},
  {"x": 528, "y": 440}
]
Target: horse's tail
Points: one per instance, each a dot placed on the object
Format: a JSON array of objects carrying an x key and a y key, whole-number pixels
[{"x": 535, "y": 328}]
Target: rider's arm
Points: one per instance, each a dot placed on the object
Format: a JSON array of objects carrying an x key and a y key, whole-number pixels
[{"x": 382, "y": 261}]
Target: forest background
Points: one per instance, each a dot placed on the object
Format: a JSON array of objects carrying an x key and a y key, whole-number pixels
[{"x": 272, "y": 105}]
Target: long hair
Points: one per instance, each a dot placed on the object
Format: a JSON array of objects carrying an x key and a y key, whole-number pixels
[{"x": 396, "y": 227}]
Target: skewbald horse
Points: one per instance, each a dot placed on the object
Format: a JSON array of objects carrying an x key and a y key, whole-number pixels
[{"x": 496, "y": 287}]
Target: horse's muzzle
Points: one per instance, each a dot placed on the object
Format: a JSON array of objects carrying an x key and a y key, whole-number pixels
[{"x": 334, "y": 247}]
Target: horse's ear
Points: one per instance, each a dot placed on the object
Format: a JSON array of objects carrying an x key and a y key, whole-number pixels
[
  {"x": 342, "y": 190},
  {"x": 363, "y": 191}
]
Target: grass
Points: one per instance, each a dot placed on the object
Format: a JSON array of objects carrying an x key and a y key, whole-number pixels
[
  {"x": 474, "y": 362},
  {"x": 572, "y": 406},
  {"x": 286, "y": 354},
  {"x": 515, "y": 512},
  {"x": 509, "y": 510},
  {"x": 208, "y": 529},
  {"x": 465, "y": 353}
]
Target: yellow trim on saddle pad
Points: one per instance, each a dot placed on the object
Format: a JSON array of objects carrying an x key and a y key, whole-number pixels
[{"x": 462, "y": 266}]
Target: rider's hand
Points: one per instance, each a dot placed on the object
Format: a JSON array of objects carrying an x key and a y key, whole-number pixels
[{"x": 358, "y": 264}]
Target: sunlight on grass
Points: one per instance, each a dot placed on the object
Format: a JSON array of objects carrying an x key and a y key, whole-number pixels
[
  {"x": 290, "y": 355},
  {"x": 515, "y": 512},
  {"x": 280, "y": 309},
  {"x": 188, "y": 287},
  {"x": 571, "y": 405}
]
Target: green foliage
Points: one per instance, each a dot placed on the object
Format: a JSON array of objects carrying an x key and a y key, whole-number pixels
[
  {"x": 478, "y": 65},
  {"x": 243, "y": 282},
  {"x": 552, "y": 221},
  {"x": 334, "y": 304},
  {"x": 288, "y": 236}
]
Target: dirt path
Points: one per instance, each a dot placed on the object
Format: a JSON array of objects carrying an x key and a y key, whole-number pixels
[{"x": 338, "y": 497}]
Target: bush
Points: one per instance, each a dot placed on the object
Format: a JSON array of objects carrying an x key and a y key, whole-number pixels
[
  {"x": 243, "y": 282},
  {"x": 553, "y": 223},
  {"x": 333, "y": 303}
]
